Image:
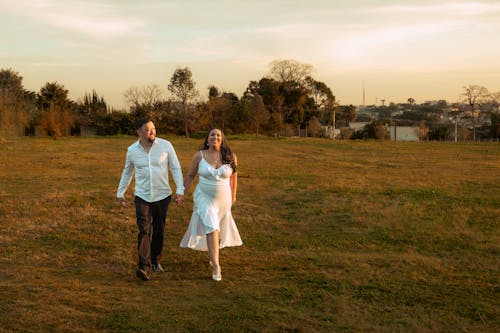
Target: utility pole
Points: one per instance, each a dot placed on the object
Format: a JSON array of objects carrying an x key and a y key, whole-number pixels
[
  {"x": 334, "y": 123},
  {"x": 456, "y": 128},
  {"x": 364, "y": 93},
  {"x": 474, "y": 125}
]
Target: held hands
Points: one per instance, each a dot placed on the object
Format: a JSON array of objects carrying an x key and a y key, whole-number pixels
[{"x": 179, "y": 199}]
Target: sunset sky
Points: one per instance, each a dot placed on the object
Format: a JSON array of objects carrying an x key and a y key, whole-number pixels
[{"x": 422, "y": 49}]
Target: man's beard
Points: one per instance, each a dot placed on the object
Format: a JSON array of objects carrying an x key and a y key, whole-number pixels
[{"x": 151, "y": 140}]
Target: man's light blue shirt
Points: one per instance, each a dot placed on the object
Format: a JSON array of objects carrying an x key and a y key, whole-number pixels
[{"x": 151, "y": 171}]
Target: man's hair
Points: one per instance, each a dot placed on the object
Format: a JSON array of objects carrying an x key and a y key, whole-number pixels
[{"x": 140, "y": 122}]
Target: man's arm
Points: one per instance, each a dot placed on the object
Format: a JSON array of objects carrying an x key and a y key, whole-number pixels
[
  {"x": 126, "y": 178},
  {"x": 176, "y": 170}
]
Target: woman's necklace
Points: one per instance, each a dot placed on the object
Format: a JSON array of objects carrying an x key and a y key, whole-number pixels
[{"x": 215, "y": 159}]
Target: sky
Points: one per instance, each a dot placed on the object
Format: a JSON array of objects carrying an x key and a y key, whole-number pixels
[{"x": 393, "y": 50}]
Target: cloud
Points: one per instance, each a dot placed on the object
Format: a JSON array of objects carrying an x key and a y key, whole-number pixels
[
  {"x": 55, "y": 64},
  {"x": 446, "y": 9},
  {"x": 90, "y": 18},
  {"x": 415, "y": 37}
]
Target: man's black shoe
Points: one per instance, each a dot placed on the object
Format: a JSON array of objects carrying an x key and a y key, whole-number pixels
[
  {"x": 142, "y": 274},
  {"x": 157, "y": 268}
]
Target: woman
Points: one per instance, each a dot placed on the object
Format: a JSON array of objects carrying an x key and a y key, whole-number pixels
[{"x": 212, "y": 225}]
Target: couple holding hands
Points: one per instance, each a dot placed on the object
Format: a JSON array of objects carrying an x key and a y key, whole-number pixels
[{"x": 212, "y": 226}]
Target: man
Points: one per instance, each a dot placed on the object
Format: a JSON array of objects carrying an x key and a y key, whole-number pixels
[{"x": 150, "y": 158}]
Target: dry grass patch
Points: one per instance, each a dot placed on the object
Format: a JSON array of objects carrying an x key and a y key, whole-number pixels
[{"x": 338, "y": 236}]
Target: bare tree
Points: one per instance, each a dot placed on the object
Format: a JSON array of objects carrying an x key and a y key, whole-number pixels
[
  {"x": 290, "y": 70},
  {"x": 145, "y": 95},
  {"x": 183, "y": 88},
  {"x": 474, "y": 95},
  {"x": 151, "y": 94},
  {"x": 133, "y": 96}
]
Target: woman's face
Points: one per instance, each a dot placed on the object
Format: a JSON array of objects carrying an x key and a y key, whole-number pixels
[{"x": 214, "y": 138}]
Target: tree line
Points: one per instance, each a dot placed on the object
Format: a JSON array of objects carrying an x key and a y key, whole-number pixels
[{"x": 287, "y": 101}]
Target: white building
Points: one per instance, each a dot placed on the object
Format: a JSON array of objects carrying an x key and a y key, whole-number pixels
[{"x": 404, "y": 133}]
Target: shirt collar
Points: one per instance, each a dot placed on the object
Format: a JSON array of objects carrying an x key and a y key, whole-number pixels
[{"x": 138, "y": 143}]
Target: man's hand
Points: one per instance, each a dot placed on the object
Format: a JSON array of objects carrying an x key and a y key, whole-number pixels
[
  {"x": 179, "y": 199},
  {"x": 123, "y": 202}
]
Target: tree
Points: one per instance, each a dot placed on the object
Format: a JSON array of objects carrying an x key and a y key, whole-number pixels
[
  {"x": 221, "y": 109},
  {"x": 289, "y": 70},
  {"x": 228, "y": 111},
  {"x": 320, "y": 93},
  {"x": 474, "y": 95},
  {"x": 57, "y": 115},
  {"x": 324, "y": 100},
  {"x": 151, "y": 94},
  {"x": 142, "y": 100},
  {"x": 133, "y": 96},
  {"x": 269, "y": 90},
  {"x": 495, "y": 99},
  {"x": 92, "y": 111},
  {"x": 314, "y": 127},
  {"x": 495, "y": 125},
  {"x": 291, "y": 76},
  {"x": 218, "y": 108},
  {"x": 346, "y": 114},
  {"x": 346, "y": 133},
  {"x": 288, "y": 102},
  {"x": 183, "y": 88},
  {"x": 439, "y": 133},
  {"x": 493, "y": 109},
  {"x": 257, "y": 112},
  {"x": 11, "y": 87},
  {"x": 15, "y": 102},
  {"x": 422, "y": 131},
  {"x": 376, "y": 130},
  {"x": 213, "y": 91}
]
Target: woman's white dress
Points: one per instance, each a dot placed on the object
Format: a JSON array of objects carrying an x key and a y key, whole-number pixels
[{"x": 212, "y": 209}]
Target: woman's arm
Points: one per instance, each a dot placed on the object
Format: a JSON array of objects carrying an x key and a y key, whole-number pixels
[
  {"x": 233, "y": 181},
  {"x": 193, "y": 170}
]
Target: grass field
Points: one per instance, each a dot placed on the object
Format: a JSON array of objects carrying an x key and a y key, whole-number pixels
[{"x": 338, "y": 236}]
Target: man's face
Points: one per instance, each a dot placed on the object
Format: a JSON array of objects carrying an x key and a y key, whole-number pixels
[{"x": 147, "y": 132}]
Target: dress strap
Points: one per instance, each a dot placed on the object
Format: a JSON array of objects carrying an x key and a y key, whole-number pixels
[{"x": 201, "y": 152}]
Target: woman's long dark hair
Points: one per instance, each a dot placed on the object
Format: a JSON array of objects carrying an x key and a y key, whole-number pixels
[{"x": 225, "y": 151}]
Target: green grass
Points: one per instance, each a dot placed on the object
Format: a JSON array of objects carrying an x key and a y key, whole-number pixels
[{"x": 338, "y": 236}]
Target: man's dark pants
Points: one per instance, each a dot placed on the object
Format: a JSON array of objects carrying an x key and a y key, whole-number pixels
[{"x": 151, "y": 218}]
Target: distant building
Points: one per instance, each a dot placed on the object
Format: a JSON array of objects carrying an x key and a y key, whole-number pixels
[
  {"x": 357, "y": 125},
  {"x": 404, "y": 133}
]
